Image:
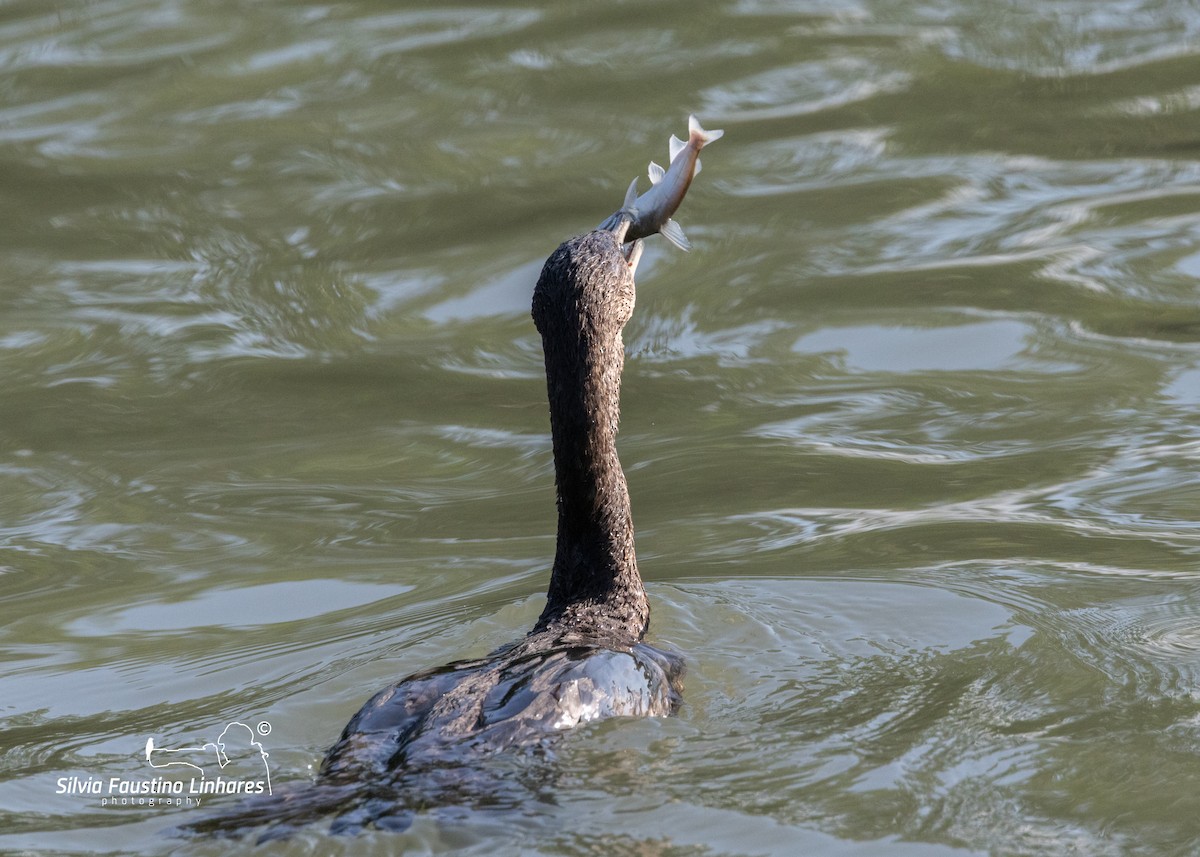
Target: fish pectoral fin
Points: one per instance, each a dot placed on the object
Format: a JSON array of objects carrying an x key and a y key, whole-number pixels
[
  {"x": 676, "y": 146},
  {"x": 630, "y": 195},
  {"x": 656, "y": 173},
  {"x": 673, "y": 232}
]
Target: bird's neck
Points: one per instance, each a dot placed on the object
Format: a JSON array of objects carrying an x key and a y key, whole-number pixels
[{"x": 595, "y": 587}]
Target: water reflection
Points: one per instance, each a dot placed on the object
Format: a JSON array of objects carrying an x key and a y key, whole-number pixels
[{"x": 961, "y": 348}]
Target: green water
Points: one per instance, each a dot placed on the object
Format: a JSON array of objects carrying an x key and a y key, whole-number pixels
[{"x": 911, "y": 434}]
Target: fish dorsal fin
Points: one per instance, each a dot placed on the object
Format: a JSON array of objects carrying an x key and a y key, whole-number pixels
[
  {"x": 630, "y": 195},
  {"x": 676, "y": 146},
  {"x": 656, "y": 173},
  {"x": 696, "y": 171},
  {"x": 673, "y": 232}
]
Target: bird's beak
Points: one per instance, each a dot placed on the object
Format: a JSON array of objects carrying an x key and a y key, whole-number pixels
[{"x": 633, "y": 253}]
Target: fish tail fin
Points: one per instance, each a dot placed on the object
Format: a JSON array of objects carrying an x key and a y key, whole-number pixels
[{"x": 705, "y": 137}]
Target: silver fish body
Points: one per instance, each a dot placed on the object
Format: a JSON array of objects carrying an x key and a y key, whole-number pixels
[{"x": 651, "y": 212}]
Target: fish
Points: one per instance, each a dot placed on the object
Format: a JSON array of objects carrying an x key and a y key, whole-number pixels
[{"x": 651, "y": 212}]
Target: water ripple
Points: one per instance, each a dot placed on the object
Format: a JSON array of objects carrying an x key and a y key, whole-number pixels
[{"x": 801, "y": 89}]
